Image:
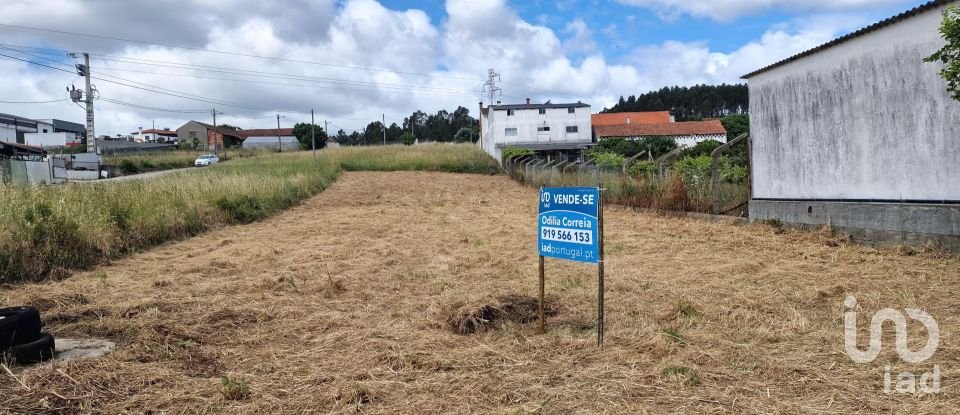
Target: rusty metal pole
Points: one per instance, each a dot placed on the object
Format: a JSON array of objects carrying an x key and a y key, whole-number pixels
[
  {"x": 542, "y": 329},
  {"x": 600, "y": 288}
]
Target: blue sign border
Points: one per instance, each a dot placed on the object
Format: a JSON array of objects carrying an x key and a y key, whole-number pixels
[{"x": 567, "y": 223}]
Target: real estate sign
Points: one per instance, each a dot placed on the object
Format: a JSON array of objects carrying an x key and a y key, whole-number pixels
[{"x": 567, "y": 225}]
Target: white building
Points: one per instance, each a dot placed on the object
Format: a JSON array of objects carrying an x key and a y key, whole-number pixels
[
  {"x": 13, "y": 128},
  {"x": 155, "y": 136},
  {"x": 539, "y": 127},
  {"x": 860, "y": 133}
]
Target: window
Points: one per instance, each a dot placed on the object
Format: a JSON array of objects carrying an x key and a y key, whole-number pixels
[
  {"x": 571, "y": 110},
  {"x": 510, "y": 132},
  {"x": 543, "y": 129},
  {"x": 44, "y": 130},
  {"x": 543, "y": 111},
  {"x": 572, "y": 129},
  {"x": 509, "y": 113},
  {"x": 193, "y": 134}
]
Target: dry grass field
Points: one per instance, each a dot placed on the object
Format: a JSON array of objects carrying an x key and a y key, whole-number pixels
[{"x": 341, "y": 305}]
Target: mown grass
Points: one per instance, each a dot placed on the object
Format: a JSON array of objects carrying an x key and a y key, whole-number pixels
[{"x": 54, "y": 228}]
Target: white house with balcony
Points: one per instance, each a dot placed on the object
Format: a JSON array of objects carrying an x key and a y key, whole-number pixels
[{"x": 562, "y": 130}]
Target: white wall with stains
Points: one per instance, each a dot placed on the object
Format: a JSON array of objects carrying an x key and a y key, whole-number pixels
[{"x": 865, "y": 119}]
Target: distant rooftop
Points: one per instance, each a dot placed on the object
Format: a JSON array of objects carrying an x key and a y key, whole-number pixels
[
  {"x": 673, "y": 129},
  {"x": 617, "y": 118},
  {"x": 537, "y": 106}
]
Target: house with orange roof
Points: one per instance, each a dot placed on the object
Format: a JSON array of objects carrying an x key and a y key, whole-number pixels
[{"x": 687, "y": 133}]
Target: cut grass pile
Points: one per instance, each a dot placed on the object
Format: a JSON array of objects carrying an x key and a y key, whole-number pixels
[
  {"x": 57, "y": 228},
  {"x": 340, "y": 305}
]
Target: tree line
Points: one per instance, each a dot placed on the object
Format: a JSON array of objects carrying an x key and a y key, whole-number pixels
[
  {"x": 443, "y": 126},
  {"x": 689, "y": 103}
]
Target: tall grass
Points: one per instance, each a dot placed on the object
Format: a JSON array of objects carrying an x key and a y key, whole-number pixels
[
  {"x": 671, "y": 193},
  {"x": 168, "y": 160},
  {"x": 49, "y": 228},
  {"x": 454, "y": 158}
]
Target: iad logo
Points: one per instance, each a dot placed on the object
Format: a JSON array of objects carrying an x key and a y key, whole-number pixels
[
  {"x": 906, "y": 381},
  {"x": 545, "y": 199}
]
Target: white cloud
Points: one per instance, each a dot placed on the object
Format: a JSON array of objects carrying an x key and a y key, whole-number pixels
[
  {"x": 727, "y": 10},
  {"x": 534, "y": 60}
]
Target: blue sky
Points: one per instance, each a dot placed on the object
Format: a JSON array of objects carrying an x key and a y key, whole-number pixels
[
  {"x": 619, "y": 27},
  {"x": 397, "y": 56}
]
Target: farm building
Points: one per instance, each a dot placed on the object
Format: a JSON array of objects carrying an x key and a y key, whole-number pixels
[
  {"x": 685, "y": 133},
  {"x": 554, "y": 130},
  {"x": 861, "y": 134}
]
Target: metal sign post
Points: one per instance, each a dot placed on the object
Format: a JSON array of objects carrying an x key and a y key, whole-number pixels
[{"x": 570, "y": 227}]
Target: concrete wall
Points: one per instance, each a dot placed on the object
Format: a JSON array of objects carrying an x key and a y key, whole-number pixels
[
  {"x": 526, "y": 123},
  {"x": 191, "y": 130},
  {"x": 866, "y": 119},
  {"x": 882, "y": 224}
]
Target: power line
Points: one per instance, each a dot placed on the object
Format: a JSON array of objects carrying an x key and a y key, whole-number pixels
[
  {"x": 380, "y": 88},
  {"x": 33, "y": 102},
  {"x": 146, "y": 107},
  {"x": 149, "y": 88},
  {"x": 264, "y": 74},
  {"x": 233, "y": 53}
]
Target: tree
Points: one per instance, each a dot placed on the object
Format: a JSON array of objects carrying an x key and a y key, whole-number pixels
[
  {"x": 229, "y": 127},
  {"x": 689, "y": 103},
  {"x": 408, "y": 138},
  {"x": 736, "y": 125},
  {"x": 464, "y": 135},
  {"x": 373, "y": 134},
  {"x": 303, "y": 132},
  {"x": 949, "y": 55}
]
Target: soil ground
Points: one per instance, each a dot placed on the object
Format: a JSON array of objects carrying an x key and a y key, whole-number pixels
[{"x": 340, "y": 305}]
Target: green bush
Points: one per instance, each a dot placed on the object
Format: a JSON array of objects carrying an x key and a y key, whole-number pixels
[
  {"x": 509, "y": 152},
  {"x": 608, "y": 160},
  {"x": 129, "y": 167},
  {"x": 408, "y": 138},
  {"x": 642, "y": 169}
]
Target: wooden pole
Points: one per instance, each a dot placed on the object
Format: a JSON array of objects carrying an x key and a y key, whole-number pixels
[
  {"x": 542, "y": 328},
  {"x": 600, "y": 287}
]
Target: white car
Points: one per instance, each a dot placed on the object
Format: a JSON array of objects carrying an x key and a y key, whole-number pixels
[{"x": 206, "y": 160}]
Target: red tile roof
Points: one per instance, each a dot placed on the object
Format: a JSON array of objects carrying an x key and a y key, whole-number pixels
[
  {"x": 617, "y": 118},
  {"x": 662, "y": 129},
  {"x": 261, "y": 132}
]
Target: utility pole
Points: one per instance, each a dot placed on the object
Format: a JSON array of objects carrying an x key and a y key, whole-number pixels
[
  {"x": 215, "y": 146},
  {"x": 384, "y": 125},
  {"x": 279, "y": 143},
  {"x": 91, "y": 133},
  {"x": 325, "y": 129},
  {"x": 313, "y": 138}
]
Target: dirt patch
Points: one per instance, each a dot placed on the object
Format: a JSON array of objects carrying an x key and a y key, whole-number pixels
[{"x": 467, "y": 319}]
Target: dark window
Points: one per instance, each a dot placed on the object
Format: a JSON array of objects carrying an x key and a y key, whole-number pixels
[
  {"x": 543, "y": 129},
  {"x": 572, "y": 129},
  {"x": 193, "y": 134},
  {"x": 44, "y": 130},
  {"x": 510, "y": 132},
  {"x": 509, "y": 113},
  {"x": 543, "y": 111},
  {"x": 571, "y": 110}
]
